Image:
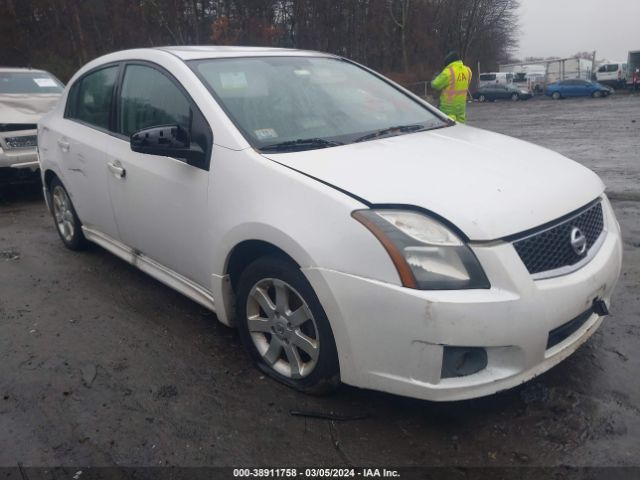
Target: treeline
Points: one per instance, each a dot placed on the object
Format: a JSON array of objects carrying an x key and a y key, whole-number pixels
[{"x": 404, "y": 38}]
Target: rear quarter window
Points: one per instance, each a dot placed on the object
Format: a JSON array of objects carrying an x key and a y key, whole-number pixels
[{"x": 90, "y": 97}]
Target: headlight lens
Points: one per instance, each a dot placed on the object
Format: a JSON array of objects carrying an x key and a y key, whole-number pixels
[{"x": 427, "y": 254}]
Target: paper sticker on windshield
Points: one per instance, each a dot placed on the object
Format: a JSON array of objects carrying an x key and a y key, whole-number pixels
[
  {"x": 45, "y": 82},
  {"x": 312, "y": 122},
  {"x": 233, "y": 80},
  {"x": 265, "y": 133}
]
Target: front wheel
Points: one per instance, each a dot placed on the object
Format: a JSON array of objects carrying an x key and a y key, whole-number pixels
[
  {"x": 515, "y": 97},
  {"x": 67, "y": 222},
  {"x": 284, "y": 328},
  {"x": 596, "y": 94}
]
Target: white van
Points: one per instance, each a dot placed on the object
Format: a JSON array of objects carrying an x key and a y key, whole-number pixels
[
  {"x": 613, "y": 74},
  {"x": 492, "y": 78}
]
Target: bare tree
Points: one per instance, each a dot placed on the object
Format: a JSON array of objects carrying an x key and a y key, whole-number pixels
[
  {"x": 399, "y": 12},
  {"x": 403, "y": 38}
]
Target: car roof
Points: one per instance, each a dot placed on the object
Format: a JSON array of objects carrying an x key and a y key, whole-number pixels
[{"x": 193, "y": 52}]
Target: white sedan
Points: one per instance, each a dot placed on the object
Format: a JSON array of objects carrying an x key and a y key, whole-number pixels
[{"x": 350, "y": 231}]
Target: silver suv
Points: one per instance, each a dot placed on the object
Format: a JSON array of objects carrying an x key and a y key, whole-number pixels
[{"x": 25, "y": 95}]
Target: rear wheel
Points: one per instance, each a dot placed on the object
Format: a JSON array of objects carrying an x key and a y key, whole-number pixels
[
  {"x": 284, "y": 328},
  {"x": 515, "y": 97},
  {"x": 482, "y": 98},
  {"x": 67, "y": 222},
  {"x": 556, "y": 95}
]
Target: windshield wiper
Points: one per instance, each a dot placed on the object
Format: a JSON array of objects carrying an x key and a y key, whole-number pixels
[
  {"x": 391, "y": 131},
  {"x": 301, "y": 143}
]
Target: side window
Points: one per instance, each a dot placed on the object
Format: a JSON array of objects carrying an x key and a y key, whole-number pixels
[
  {"x": 150, "y": 99},
  {"x": 90, "y": 97},
  {"x": 612, "y": 68},
  {"x": 602, "y": 69}
]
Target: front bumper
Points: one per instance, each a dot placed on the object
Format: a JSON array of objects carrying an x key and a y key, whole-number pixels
[{"x": 392, "y": 338}]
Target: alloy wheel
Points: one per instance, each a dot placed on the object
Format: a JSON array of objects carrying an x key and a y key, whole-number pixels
[
  {"x": 283, "y": 328},
  {"x": 63, "y": 213}
]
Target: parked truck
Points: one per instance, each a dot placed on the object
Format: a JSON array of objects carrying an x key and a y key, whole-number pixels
[{"x": 633, "y": 62}]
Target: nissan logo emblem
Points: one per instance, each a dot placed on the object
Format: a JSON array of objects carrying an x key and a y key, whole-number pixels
[{"x": 578, "y": 241}]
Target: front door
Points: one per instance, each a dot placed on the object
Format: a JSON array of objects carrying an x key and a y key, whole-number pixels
[{"x": 160, "y": 202}]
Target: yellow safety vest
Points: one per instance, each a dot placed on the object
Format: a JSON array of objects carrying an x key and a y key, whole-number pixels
[{"x": 453, "y": 83}]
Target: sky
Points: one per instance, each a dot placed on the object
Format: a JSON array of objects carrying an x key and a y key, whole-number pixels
[{"x": 561, "y": 28}]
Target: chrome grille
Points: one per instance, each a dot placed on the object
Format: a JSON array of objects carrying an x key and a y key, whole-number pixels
[
  {"x": 26, "y": 141},
  {"x": 550, "y": 248}
]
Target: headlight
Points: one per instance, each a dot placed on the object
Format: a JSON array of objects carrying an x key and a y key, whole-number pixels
[{"x": 427, "y": 254}]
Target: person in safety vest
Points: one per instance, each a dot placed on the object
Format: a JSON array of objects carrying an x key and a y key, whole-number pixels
[{"x": 453, "y": 83}]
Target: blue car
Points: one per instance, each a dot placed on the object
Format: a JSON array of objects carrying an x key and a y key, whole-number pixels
[{"x": 577, "y": 88}]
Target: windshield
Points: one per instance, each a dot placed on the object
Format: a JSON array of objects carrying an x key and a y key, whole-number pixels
[
  {"x": 29, "y": 82},
  {"x": 302, "y": 103}
]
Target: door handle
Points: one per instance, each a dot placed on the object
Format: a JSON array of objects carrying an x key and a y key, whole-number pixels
[
  {"x": 117, "y": 169},
  {"x": 64, "y": 146}
]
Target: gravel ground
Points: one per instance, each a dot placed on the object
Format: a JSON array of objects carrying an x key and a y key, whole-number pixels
[{"x": 101, "y": 365}]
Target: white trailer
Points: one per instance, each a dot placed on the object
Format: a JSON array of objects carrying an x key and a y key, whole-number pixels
[
  {"x": 569, "y": 68},
  {"x": 553, "y": 70}
]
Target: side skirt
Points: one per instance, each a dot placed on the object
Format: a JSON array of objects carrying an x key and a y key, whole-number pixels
[{"x": 161, "y": 273}]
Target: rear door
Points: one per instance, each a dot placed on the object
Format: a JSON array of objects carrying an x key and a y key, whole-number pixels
[
  {"x": 80, "y": 141},
  {"x": 160, "y": 202}
]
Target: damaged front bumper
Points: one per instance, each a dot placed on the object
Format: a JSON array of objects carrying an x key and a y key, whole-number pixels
[{"x": 454, "y": 345}]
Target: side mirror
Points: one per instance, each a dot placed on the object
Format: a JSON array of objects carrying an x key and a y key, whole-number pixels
[{"x": 169, "y": 141}]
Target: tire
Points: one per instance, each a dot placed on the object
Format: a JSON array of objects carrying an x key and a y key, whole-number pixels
[
  {"x": 67, "y": 223},
  {"x": 515, "y": 97},
  {"x": 482, "y": 98},
  {"x": 284, "y": 328},
  {"x": 556, "y": 95},
  {"x": 596, "y": 94}
]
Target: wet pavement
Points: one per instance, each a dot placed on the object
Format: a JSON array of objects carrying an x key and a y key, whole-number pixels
[{"x": 101, "y": 365}]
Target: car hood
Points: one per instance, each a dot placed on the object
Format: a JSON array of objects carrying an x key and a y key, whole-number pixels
[
  {"x": 25, "y": 108},
  {"x": 489, "y": 185}
]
